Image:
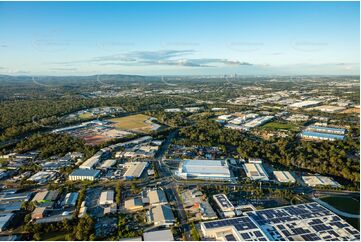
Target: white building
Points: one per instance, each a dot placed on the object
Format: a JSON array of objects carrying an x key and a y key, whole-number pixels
[
  {"x": 318, "y": 180},
  {"x": 106, "y": 197},
  {"x": 204, "y": 169},
  {"x": 91, "y": 162},
  {"x": 157, "y": 197},
  {"x": 284, "y": 176},
  {"x": 255, "y": 171},
  {"x": 305, "y": 104},
  {"x": 134, "y": 169},
  {"x": 160, "y": 235},
  {"x": 161, "y": 215},
  {"x": 224, "y": 205}
]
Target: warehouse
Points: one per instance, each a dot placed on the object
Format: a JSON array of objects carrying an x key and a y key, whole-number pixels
[
  {"x": 329, "y": 108},
  {"x": 106, "y": 197},
  {"x": 160, "y": 235},
  {"x": 70, "y": 199},
  {"x": 157, "y": 197},
  {"x": 318, "y": 180},
  {"x": 225, "y": 205},
  {"x": 328, "y": 130},
  {"x": 205, "y": 170},
  {"x": 108, "y": 164},
  {"x": 134, "y": 170},
  {"x": 302, "y": 222},
  {"x": 84, "y": 174},
  {"x": 284, "y": 176},
  {"x": 5, "y": 219},
  {"x": 161, "y": 215},
  {"x": 255, "y": 171},
  {"x": 305, "y": 104},
  {"x": 321, "y": 136},
  {"x": 133, "y": 204},
  {"x": 91, "y": 162}
]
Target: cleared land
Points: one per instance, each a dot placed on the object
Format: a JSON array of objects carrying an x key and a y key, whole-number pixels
[{"x": 133, "y": 122}]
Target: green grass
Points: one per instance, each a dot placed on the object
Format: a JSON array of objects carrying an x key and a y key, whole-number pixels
[
  {"x": 345, "y": 204},
  {"x": 278, "y": 125},
  {"x": 85, "y": 116},
  {"x": 132, "y": 122},
  {"x": 54, "y": 236}
]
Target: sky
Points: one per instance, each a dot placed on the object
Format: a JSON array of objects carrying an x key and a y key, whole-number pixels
[{"x": 179, "y": 38}]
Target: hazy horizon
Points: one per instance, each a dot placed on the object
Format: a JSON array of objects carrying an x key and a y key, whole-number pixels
[{"x": 179, "y": 38}]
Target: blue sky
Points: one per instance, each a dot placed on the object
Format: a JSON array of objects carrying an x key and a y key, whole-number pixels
[{"x": 179, "y": 38}]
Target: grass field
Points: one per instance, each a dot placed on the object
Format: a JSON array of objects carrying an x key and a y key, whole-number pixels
[
  {"x": 54, "y": 236},
  {"x": 85, "y": 116},
  {"x": 132, "y": 122},
  {"x": 279, "y": 125}
]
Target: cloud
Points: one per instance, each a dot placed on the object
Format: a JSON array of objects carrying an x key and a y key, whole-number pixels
[{"x": 158, "y": 58}]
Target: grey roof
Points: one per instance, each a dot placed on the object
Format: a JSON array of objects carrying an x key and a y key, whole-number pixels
[{"x": 85, "y": 172}]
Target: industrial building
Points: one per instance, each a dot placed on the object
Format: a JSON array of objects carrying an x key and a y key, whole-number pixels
[
  {"x": 321, "y": 136},
  {"x": 157, "y": 197},
  {"x": 38, "y": 213},
  {"x": 5, "y": 219},
  {"x": 160, "y": 235},
  {"x": 329, "y": 108},
  {"x": 108, "y": 164},
  {"x": 302, "y": 222},
  {"x": 258, "y": 122},
  {"x": 133, "y": 204},
  {"x": 305, "y": 104},
  {"x": 161, "y": 215},
  {"x": 84, "y": 174},
  {"x": 91, "y": 162},
  {"x": 70, "y": 199},
  {"x": 224, "y": 205},
  {"x": 318, "y": 180},
  {"x": 205, "y": 170},
  {"x": 134, "y": 169},
  {"x": 106, "y": 197},
  {"x": 328, "y": 130},
  {"x": 284, "y": 176},
  {"x": 255, "y": 171}
]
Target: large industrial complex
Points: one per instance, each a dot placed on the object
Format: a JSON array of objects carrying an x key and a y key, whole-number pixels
[
  {"x": 205, "y": 170},
  {"x": 305, "y": 222}
]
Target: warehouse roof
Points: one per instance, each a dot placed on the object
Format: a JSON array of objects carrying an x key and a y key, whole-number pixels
[
  {"x": 160, "y": 235},
  {"x": 135, "y": 169},
  {"x": 85, "y": 172},
  {"x": 284, "y": 176},
  {"x": 206, "y": 167},
  {"x": 157, "y": 196},
  {"x": 322, "y": 135},
  {"x": 162, "y": 213}
]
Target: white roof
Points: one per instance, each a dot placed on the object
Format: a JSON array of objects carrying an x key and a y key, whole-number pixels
[
  {"x": 90, "y": 163},
  {"x": 320, "y": 180},
  {"x": 135, "y": 169},
  {"x": 304, "y": 104},
  {"x": 215, "y": 167},
  {"x": 160, "y": 235},
  {"x": 284, "y": 176},
  {"x": 108, "y": 163},
  {"x": 255, "y": 171},
  {"x": 106, "y": 197}
]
